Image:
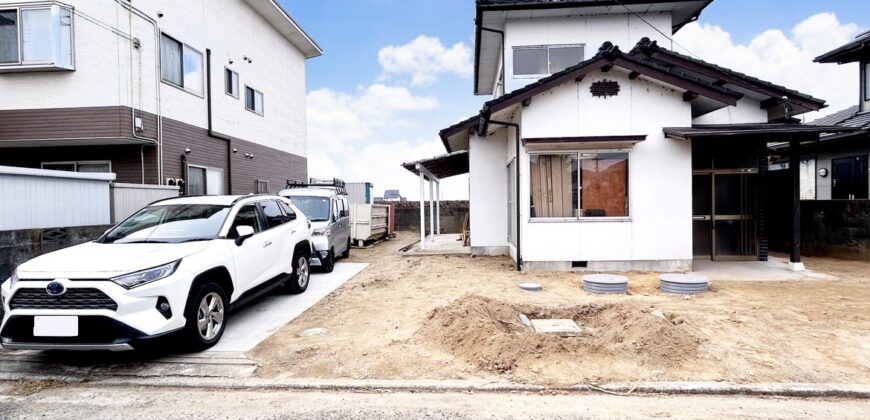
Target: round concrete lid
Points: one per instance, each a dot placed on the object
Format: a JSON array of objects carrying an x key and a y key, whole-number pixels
[
  {"x": 605, "y": 278},
  {"x": 689, "y": 278},
  {"x": 532, "y": 287}
]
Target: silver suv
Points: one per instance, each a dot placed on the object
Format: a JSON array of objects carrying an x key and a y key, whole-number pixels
[{"x": 325, "y": 204}]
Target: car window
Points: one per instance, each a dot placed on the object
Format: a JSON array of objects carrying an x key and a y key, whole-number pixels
[
  {"x": 274, "y": 215},
  {"x": 247, "y": 216},
  {"x": 287, "y": 210},
  {"x": 315, "y": 209}
]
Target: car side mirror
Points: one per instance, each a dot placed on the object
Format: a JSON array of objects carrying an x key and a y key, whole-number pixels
[{"x": 243, "y": 232}]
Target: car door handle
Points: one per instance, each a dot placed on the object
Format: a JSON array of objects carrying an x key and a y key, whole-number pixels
[{"x": 267, "y": 244}]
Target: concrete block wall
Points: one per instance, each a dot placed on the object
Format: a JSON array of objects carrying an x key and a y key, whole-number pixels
[
  {"x": 18, "y": 246},
  {"x": 452, "y": 216}
]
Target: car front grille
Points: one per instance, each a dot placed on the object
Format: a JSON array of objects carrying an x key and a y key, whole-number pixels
[{"x": 74, "y": 298}]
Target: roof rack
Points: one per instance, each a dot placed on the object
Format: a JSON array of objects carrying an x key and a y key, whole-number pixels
[{"x": 334, "y": 183}]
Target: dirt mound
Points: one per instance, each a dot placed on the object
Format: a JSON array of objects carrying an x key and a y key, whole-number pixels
[{"x": 489, "y": 334}]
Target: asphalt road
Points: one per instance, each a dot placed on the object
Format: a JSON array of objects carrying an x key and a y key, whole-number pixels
[{"x": 53, "y": 401}]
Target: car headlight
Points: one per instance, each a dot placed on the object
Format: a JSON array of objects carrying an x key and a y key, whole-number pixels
[
  {"x": 129, "y": 281},
  {"x": 324, "y": 231}
]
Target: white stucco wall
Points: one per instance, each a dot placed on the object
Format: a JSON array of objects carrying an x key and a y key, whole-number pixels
[
  {"x": 487, "y": 162},
  {"x": 592, "y": 31},
  {"x": 230, "y": 28},
  {"x": 660, "y": 173},
  {"x": 748, "y": 110}
]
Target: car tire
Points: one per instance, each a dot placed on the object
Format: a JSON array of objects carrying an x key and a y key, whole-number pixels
[
  {"x": 346, "y": 253},
  {"x": 328, "y": 263},
  {"x": 301, "y": 276},
  {"x": 206, "y": 313}
]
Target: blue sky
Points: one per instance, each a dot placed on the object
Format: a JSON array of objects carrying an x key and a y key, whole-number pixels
[{"x": 742, "y": 34}]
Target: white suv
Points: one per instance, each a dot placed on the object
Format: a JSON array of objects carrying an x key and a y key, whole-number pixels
[{"x": 177, "y": 266}]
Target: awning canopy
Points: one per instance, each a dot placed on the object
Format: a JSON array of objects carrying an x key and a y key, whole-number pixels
[
  {"x": 443, "y": 166},
  {"x": 754, "y": 131},
  {"x": 579, "y": 143}
]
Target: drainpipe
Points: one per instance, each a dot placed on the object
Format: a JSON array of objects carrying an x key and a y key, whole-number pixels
[
  {"x": 128, "y": 4},
  {"x": 485, "y": 113},
  {"x": 213, "y": 133},
  {"x": 503, "y": 63}
]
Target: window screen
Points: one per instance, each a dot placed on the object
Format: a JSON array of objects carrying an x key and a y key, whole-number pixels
[
  {"x": 196, "y": 181},
  {"x": 563, "y": 57},
  {"x": 231, "y": 80},
  {"x": 867, "y": 82},
  {"x": 528, "y": 61},
  {"x": 604, "y": 185},
  {"x": 170, "y": 60},
  {"x": 553, "y": 182},
  {"x": 579, "y": 185},
  {"x": 8, "y": 36}
]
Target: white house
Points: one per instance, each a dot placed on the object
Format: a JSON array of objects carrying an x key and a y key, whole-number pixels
[
  {"x": 210, "y": 92},
  {"x": 603, "y": 149}
]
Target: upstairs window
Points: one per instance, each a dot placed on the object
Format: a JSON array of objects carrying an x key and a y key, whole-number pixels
[
  {"x": 867, "y": 81},
  {"x": 253, "y": 100},
  {"x": 181, "y": 65},
  {"x": 545, "y": 59},
  {"x": 231, "y": 79},
  {"x": 36, "y": 37}
]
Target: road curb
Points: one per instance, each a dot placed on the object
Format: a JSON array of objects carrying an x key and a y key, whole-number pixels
[{"x": 799, "y": 390}]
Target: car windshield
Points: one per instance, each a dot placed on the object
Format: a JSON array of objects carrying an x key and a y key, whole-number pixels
[
  {"x": 170, "y": 224},
  {"x": 315, "y": 209}
]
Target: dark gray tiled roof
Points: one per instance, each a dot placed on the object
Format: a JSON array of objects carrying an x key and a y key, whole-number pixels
[{"x": 836, "y": 117}]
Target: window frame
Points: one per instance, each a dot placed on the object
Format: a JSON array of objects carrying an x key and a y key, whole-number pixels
[
  {"x": 262, "y": 112},
  {"x": 579, "y": 218},
  {"x": 866, "y": 78},
  {"x": 76, "y": 164},
  {"x": 52, "y": 63},
  {"x": 201, "y": 92},
  {"x": 258, "y": 186},
  {"x": 236, "y": 74},
  {"x": 205, "y": 179},
  {"x": 548, "y": 47}
]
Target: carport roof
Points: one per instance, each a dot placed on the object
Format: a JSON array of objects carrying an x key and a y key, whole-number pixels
[
  {"x": 770, "y": 130},
  {"x": 443, "y": 166}
]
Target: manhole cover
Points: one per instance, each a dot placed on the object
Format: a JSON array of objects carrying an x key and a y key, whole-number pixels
[
  {"x": 560, "y": 327},
  {"x": 532, "y": 287},
  {"x": 684, "y": 284},
  {"x": 605, "y": 283}
]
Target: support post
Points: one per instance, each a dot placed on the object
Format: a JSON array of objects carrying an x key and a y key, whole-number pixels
[
  {"x": 422, "y": 212},
  {"x": 794, "y": 161},
  {"x": 432, "y": 208},
  {"x": 438, "y": 207}
]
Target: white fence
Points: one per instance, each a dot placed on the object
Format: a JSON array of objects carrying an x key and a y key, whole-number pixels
[
  {"x": 38, "y": 198},
  {"x": 128, "y": 198}
]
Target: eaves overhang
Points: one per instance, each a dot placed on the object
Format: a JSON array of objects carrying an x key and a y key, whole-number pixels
[{"x": 286, "y": 26}]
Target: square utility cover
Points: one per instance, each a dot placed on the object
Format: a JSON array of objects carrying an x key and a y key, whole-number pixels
[{"x": 560, "y": 327}]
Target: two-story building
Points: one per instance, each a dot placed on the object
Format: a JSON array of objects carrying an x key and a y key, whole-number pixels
[
  {"x": 604, "y": 149},
  {"x": 207, "y": 92}
]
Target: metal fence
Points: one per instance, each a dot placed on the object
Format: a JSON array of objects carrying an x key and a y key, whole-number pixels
[{"x": 128, "y": 198}]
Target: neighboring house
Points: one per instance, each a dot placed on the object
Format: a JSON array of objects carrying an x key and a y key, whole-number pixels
[
  {"x": 836, "y": 166},
  {"x": 209, "y": 92},
  {"x": 393, "y": 196},
  {"x": 603, "y": 149}
]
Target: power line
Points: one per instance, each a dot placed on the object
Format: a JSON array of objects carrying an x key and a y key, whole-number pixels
[{"x": 656, "y": 29}]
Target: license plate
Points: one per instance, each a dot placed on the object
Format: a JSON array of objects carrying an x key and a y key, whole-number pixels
[{"x": 55, "y": 326}]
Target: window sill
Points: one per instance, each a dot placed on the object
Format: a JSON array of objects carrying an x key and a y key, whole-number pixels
[
  {"x": 581, "y": 220},
  {"x": 183, "y": 89},
  {"x": 26, "y": 68},
  {"x": 253, "y": 112}
]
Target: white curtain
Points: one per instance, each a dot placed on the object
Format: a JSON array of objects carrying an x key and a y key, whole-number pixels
[{"x": 170, "y": 60}]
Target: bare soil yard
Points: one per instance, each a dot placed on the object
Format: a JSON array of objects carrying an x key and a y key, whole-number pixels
[{"x": 456, "y": 318}]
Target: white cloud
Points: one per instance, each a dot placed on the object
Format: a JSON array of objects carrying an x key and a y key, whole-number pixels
[
  {"x": 425, "y": 58},
  {"x": 337, "y": 120},
  {"x": 785, "y": 59}
]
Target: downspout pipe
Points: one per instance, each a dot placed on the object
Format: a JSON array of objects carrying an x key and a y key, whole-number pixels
[
  {"x": 211, "y": 131},
  {"x": 485, "y": 121},
  {"x": 128, "y": 4},
  {"x": 503, "y": 63}
]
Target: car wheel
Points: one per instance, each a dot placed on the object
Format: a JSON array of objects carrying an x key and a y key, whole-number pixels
[
  {"x": 346, "y": 253},
  {"x": 206, "y": 316},
  {"x": 328, "y": 263},
  {"x": 301, "y": 276}
]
